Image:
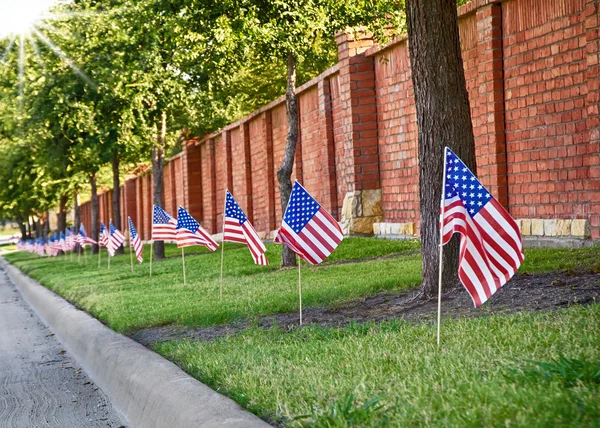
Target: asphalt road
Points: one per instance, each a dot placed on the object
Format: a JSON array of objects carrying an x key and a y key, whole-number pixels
[{"x": 40, "y": 384}]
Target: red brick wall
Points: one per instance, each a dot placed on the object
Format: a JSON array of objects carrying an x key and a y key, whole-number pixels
[{"x": 532, "y": 73}]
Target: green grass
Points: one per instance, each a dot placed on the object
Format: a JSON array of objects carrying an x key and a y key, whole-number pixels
[
  {"x": 529, "y": 369},
  {"x": 128, "y": 301}
]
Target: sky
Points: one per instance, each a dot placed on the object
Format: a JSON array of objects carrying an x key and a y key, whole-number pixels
[{"x": 17, "y": 16}]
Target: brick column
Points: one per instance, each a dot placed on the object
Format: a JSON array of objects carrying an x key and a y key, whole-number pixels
[
  {"x": 488, "y": 115},
  {"x": 592, "y": 101},
  {"x": 245, "y": 136},
  {"x": 192, "y": 178},
  {"x": 268, "y": 135},
  {"x": 326, "y": 117},
  {"x": 139, "y": 209},
  {"x": 211, "y": 151},
  {"x": 226, "y": 139},
  {"x": 130, "y": 202},
  {"x": 360, "y": 178}
]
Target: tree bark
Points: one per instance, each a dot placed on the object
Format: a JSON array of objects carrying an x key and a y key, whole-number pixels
[
  {"x": 116, "y": 196},
  {"x": 22, "y": 227},
  {"x": 62, "y": 213},
  {"x": 46, "y": 224},
  {"x": 443, "y": 119},
  {"x": 94, "y": 227},
  {"x": 284, "y": 173},
  {"x": 77, "y": 219},
  {"x": 158, "y": 163}
]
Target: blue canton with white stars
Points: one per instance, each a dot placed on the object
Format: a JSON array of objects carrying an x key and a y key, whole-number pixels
[
  {"x": 186, "y": 221},
  {"x": 82, "y": 230},
  {"x": 132, "y": 231},
  {"x": 301, "y": 208},
  {"x": 160, "y": 216},
  {"x": 233, "y": 210},
  {"x": 113, "y": 229},
  {"x": 461, "y": 182},
  {"x": 102, "y": 227}
]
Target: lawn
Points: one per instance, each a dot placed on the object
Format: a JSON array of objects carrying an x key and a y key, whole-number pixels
[
  {"x": 522, "y": 369},
  {"x": 500, "y": 370}
]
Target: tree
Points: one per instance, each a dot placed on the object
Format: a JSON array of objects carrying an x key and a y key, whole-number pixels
[{"x": 443, "y": 119}]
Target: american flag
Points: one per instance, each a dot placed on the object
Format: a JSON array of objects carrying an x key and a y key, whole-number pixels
[
  {"x": 115, "y": 239},
  {"x": 104, "y": 236},
  {"x": 237, "y": 228},
  {"x": 307, "y": 228},
  {"x": 189, "y": 232},
  {"x": 63, "y": 243},
  {"x": 83, "y": 239},
  {"x": 491, "y": 248},
  {"x": 135, "y": 241},
  {"x": 70, "y": 239},
  {"x": 163, "y": 226}
]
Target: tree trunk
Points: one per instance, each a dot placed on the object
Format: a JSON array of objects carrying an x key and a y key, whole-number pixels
[
  {"x": 443, "y": 119},
  {"x": 116, "y": 197},
  {"x": 158, "y": 163},
  {"x": 22, "y": 227},
  {"x": 94, "y": 227},
  {"x": 46, "y": 224},
  {"x": 62, "y": 213},
  {"x": 77, "y": 219},
  {"x": 284, "y": 173}
]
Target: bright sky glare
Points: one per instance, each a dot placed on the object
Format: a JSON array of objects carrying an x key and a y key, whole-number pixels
[{"x": 18, "y": 16}]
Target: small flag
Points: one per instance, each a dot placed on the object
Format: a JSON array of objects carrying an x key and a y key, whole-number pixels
[
  {"x": 237, "y": 228},
  {"x": 63, "y": 243},
  {"x": 163, "y": 226},
  {"x": 115, "y": 239},
  {"x": 189, "y": 232},
  {"x": 135, "y": 241},
  {"x": 83, "y": 239},
  {"x": 491, "y": 248},
  {"x": 104, "y": 236},
  {"x": 307, "y": 228}
]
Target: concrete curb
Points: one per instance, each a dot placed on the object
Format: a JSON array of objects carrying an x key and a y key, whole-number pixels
[{"x": 145, "y": 388}]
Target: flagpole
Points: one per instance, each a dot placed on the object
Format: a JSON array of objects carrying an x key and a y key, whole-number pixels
[
  {"x": 79, "y": 254},
  {"x": 130, "y": 252},
  {"x": 99, "y": 253},
  {"x": 109, "y": 257},
  {"x": 183, "y": 261},
  {"x": 300, "y": 286},
  {"x": 222, "y": 247},
  {"x": 151, "y": 248},
  {"x": 84, "y": 255},
  {"x": 439, "y": 317}
]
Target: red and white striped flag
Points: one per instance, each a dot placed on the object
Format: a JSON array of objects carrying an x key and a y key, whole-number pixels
[
  {"x": 104, "y": 236},
  {"x": 135, "y": 242},
  {"x": 163, "y": 226},
  {"x": 115, "y": 240},
  {"x": 307, "y": 228},
  {"x": 189, "y": 232},
  {"x": 491, "y": 247},
  {"x": 237, "y": 228}
]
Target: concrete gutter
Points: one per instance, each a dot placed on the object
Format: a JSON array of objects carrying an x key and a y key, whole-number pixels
[{"x": 145, "y": 388}]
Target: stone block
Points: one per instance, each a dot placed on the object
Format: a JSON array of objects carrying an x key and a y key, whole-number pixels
[
  {"x": 580, "y": 229},
  {"x": 363, "y": 225},
  {"x": 395, "y": 228},
  {"x": 526, "y": 227},
  {"x": 537, "y": 227},
  {"x": 376, "y": 227},
  {"x": 407, "y": 229},
  {"x": 262, "y": 235},
  {"x": 550, "y": 227},
  {"x": 563, "y": 227},
  {"x": 371, "y": 203}
]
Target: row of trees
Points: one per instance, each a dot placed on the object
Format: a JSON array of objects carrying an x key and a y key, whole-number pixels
[{"x": 108, "y": 84}]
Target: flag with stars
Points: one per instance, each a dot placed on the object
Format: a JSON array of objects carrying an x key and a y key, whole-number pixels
[
  {"x": 491, "y": 248},
  {"x": 237, "y": 228},
  {"x": 70, "y": 239},
  {"x": 63, "y": 242},
  {"x": 189, "y": 232},
  {"x": 115, "y": 240},
  {"x": 104, "y": 235},
  {"x": 83, "y": 239},
  {"x": 163, "y": 226},
  {"x": 135, "y": 241},
  {"x": 307, "y": 228}
]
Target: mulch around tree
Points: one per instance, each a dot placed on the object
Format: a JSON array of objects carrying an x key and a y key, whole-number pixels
[{"x": 524, "y": 293}]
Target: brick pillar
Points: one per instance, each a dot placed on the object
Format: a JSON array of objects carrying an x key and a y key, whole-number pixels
[
  {"x": 268, "y": 134},
  {"x": 488, "y": 117},
  {"x": 326, "y": 117},
  {"x": 245, "y": 136},
  {"x": 211, "y": 152},
  {"x": 592, "y": 101},
  {"x": 226, "y": 139},
  {"x": 360, "y": 177},
  {"x": 139, "y": 209},
  {"x": 130, "y": 202},
  {"x": 192, "y": 179}
]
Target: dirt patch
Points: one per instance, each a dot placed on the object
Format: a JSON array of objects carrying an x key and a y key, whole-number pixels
[{"x": 524, "y": 292}]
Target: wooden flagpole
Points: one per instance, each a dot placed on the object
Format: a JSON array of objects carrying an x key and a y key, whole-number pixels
[
  {"x": 222, "y": 249},
  {"x": 151, "y": 248},
  {"x": 300, "y": 286},
  {"x": 439, "y": 317},
  {"x": 183, "y": 261}
]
